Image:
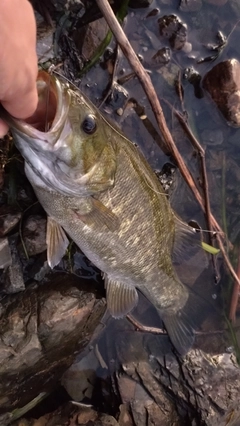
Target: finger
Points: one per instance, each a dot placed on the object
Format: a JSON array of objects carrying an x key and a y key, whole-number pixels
[{"x": 3, "y": 128}]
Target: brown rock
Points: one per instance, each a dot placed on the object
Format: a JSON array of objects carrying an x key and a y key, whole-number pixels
[
  {"x": 223, "y": 84},
  {"x": 40, "y": 331}
]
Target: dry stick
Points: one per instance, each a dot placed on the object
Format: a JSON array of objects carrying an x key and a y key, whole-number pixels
[{"x": 157, "y": 110}]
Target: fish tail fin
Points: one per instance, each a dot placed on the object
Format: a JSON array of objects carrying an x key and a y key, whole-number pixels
[
  {"x": 180, "y": 330},
  {"x": 181, "y": 324}
]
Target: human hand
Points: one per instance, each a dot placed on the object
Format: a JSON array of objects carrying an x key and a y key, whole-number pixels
[{"x": 18, "y": 60}]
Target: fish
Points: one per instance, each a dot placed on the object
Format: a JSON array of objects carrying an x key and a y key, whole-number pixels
[{"x": 98, "y": 189}]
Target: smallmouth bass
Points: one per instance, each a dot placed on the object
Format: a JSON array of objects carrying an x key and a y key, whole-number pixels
[{"x": 97, "y": 187}]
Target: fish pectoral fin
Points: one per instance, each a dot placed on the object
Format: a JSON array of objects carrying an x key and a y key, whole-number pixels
[
  {"x": 187, "y": 243},
  {"x": 180, "y": 330},
  {"x": 99, "y": 216},
  {"x": 121, "y": 298},
  {"x": 57, "y": 242}
]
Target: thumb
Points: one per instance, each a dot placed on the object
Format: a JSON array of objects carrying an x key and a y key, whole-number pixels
[{"x": 23, "y": 105}]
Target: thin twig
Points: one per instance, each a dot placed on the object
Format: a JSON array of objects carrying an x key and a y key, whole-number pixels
[
  {"x": 145, "y": 80},
  {"x": 144, "y": 328},
  {"x": 153, "y": 330}
]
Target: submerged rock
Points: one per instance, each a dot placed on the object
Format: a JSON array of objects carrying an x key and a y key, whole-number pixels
[
  {"x": 190, "y": 5},
  {"x": 172, "y": 28},
  {"x": 223, "y": 84},
  {"x": 163, "y": 56}
]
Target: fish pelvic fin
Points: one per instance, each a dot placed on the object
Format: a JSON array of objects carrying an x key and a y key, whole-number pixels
[
  {"x": 121, "y": 298},
  {"x": 180, "y": 330},
  {"x": 57, "y": 242}
]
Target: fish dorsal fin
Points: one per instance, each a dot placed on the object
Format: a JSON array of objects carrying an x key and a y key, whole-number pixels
[
  {"x": 121, "y": 298},
  {"x": 57, "y": 242},
  {"x": 99, "y": 216},
  {"x": 187, "y": 241}
]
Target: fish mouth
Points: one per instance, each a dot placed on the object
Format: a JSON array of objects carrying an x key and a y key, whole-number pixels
[
  {"x": 47, "y": 121},
  {"x": 47, "y": 109}
]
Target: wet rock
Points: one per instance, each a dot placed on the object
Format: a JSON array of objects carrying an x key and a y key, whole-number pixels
[
  {"x": 154, "y": 12},
  {"x": 73, "y": 6},
  {"x": 9, "y": 218},
  {"x": 166, "y": 176},
  {"x": 135, "y": 4},
  {"x": 45, "y": 34},
  {"x": 162, "y": 56},
  {"x": 34, "y": 235},
  {"x": 13, "y": 276},
  {"x": 223, "y": 84},
  {"x": 173, "y": 29},
  {"x": 40, "y": 330},
  {"x": 118, "y": 97},
  {"x": 95, "y": 34},
  {"x": 194, "y": 78},
  {"x": 5, "y": 253},
  {"x": 190, "y": 5}
]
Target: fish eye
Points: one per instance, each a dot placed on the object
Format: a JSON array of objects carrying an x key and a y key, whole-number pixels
[{"x": 89, "y": 124}]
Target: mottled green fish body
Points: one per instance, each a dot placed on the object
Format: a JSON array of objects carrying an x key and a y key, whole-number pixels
[{"x": 97, "y": 187}]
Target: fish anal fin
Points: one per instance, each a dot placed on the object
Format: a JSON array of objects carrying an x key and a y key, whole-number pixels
[
  {"x": 57, "y": 242},
  {"x": 99, "y": 216},
  {"x": 121, "y": 298}
]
